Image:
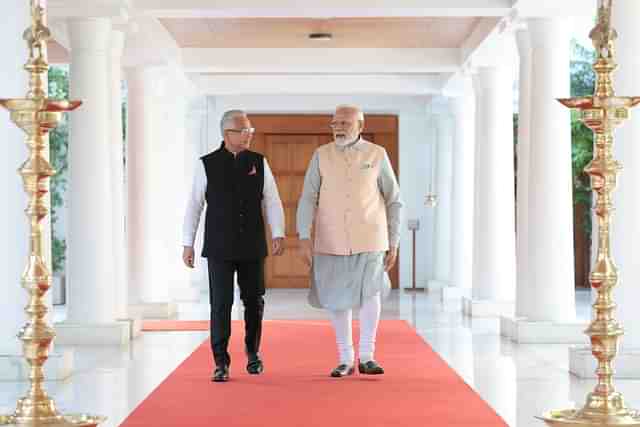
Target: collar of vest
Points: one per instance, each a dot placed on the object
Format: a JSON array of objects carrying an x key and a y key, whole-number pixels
[
  {"x": 223, "y": 150},
  {"x": 356, "y": 145}
]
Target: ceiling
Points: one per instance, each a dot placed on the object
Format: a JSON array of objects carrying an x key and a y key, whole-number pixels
[{"x": 421, "y": 33}]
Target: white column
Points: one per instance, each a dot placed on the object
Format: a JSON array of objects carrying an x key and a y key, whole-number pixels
[
  {"x": 626, "y": 200},
  {"x": 91, "y": 309},
  {"x": 546, "y": 290},
  {"x": 176, "y": 187},
  {"x": 523, "y": 40},
  {"x": 442, "y": 240},
  {"x": 137, "y": 206},
  {"x": 13, "y": 222},
  {"x": 148, "y": 288},
  {"x": 117, "y": 176},
  {"x": 462, "y": 196},
  {"x": 551, "y": 266},
  {"x": 120, "y": 257},
  {"x": 546, "y": 293},
  {"x": 494, "y": 260}
]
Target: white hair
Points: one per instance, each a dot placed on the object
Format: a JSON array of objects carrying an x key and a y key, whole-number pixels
[
  {"x": 352, "y": 107},
  {"x": 226, "y": 122}
]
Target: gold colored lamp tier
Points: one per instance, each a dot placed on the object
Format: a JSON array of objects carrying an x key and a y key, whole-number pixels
[
  {"x": 36, "y": 115},
  {"x": 602, "y": 113}
]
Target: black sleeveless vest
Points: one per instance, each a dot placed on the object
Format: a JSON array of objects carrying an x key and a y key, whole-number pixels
[{"x": 234, "y": 226}]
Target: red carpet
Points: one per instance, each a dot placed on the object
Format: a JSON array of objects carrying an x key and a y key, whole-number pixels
[
  {"x": 175, "y": 325},
  {"x": 419, "y": 389}
]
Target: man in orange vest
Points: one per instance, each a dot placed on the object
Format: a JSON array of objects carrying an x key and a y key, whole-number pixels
[{"x": 352, "y": 195}]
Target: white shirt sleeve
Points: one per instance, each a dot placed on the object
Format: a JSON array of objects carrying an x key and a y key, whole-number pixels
[
  {"x": 272, "y": 203},
  {"x": 195, "y": 205}
]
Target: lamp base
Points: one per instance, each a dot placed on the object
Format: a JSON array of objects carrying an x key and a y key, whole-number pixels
[
  {"x": 576, "y": 418},
  {"x": 68, "y": 420}
]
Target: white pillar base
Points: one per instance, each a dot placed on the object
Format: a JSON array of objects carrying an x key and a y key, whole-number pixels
[
  {"x": 154, "y": 310},
  {"x": 135, "y": 325},
  {"x": 583, "y": 365},
  {"x": 112, "y": 333},
  {"x": 59, "y": 366},
  {"x": 487, "y": 308},
  {"x": 522, "y": 331}
]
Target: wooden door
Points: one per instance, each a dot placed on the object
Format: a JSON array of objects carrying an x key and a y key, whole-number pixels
[{"x": 288, "y": 142}]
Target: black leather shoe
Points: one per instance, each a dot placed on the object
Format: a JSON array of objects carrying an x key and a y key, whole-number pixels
[
  {"x": 221, "y": 374},
  {"x": 255, "y": 365},
  {"x": 370, "y": 368},
  {"x": 342, "y": 371}
]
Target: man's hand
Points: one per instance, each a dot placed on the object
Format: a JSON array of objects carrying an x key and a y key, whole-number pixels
[
  {"x": 187, "y": 256},
  {"x": 277, "y": 246},
  {"x": 390, "y": 258},
  {"x": 304, "y": 251}
]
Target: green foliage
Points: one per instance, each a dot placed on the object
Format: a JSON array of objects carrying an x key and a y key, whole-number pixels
[
  {"x": 59, "y": 145},
  {"x": 582, "y": 84},
  {"x": 582, "y": 75}
]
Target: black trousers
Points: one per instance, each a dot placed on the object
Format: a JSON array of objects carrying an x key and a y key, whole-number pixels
[{"x": 251, "y": 282}]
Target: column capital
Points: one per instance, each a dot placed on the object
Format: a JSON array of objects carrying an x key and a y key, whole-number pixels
[{"x": 89, "y": 34}]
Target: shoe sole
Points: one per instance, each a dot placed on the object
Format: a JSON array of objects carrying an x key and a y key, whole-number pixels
[
  {"x": 337, "y": 375},
  {"x": 364, "y": 372},
  {"x": 255, "y": 368}
]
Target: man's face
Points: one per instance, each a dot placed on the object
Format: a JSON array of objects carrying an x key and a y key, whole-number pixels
[
  {"x": 239, "y": 137},
  {"x": 346, "y": 126}
]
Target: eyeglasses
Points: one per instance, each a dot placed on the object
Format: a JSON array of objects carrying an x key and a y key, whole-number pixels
[{"x": 243, "y": 131}]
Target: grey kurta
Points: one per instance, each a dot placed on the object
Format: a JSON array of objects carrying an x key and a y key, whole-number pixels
[{"x": 341, "y": 282}]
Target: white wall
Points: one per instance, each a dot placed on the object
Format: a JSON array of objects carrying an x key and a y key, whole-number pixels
[{"x": 414, "y": 155}]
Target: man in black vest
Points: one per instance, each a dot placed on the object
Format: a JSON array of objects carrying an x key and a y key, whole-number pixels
[{"x": 236, "y": 184}]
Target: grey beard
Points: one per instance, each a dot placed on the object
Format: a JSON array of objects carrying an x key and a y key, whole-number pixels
[{"x": 344, "y": 141}]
